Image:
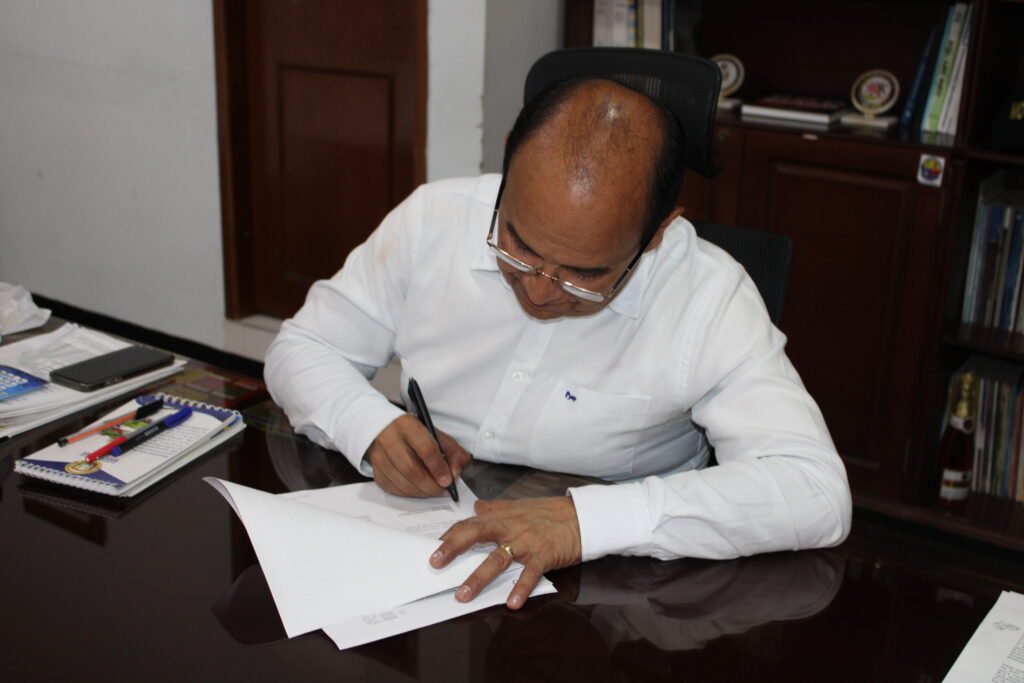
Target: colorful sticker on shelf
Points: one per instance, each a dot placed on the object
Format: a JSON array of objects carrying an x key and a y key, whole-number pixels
[{"x": 930, "y": 169}]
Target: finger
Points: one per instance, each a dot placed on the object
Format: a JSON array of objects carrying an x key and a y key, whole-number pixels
[
  {"x": 460, "y": 537},
  {"x": 429, "y": 454},
  {"x": 411, "y": 469},
  {"x": 457, "y": 456},
  {"x": 525, "y": 584},
  {"x": 406, "y": 473},
  {"x": 495, "y": 564}
]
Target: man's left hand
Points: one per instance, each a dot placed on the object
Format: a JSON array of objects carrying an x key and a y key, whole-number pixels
[{"x": 543, "y": 533}]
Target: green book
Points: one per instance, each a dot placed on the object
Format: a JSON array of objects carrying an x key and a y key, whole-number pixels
[{"x": 944, "y": 67}]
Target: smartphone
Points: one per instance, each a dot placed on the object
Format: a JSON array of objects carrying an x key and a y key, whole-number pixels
[{"x": 110, "y": 368}]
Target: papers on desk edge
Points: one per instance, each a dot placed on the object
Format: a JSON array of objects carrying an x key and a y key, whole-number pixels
[
  {"x": 135, "y": 470},
  {"x": 996, "y": 650},
  {"x": 38, "y": 355},
  {"x": 353, "y": 560}
]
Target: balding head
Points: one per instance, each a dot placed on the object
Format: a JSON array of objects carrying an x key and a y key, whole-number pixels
[
  {"x": 596, "y": 136},
  {"x": 585, "y": 193}
]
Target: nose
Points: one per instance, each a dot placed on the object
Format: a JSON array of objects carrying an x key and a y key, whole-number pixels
[{"x": 541, "y": 289}]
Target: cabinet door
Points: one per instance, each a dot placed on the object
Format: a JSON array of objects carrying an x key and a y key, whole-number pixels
[{"x": 862, "y": 310}]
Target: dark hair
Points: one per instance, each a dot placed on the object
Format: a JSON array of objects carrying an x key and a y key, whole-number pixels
[{"x": 669, "y": 166}]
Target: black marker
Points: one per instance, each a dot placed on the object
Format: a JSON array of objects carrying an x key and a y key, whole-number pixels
[{"x": 419, "y": 405}]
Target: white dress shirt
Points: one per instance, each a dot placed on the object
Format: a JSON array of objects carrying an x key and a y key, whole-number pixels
[{"x": 627, "y": 394}]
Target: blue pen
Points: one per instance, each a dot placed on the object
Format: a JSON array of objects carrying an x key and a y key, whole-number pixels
[{"x": 144, "y": 435}]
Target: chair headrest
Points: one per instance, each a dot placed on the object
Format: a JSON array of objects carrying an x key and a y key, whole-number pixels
[{"x": 686, "y": 85}]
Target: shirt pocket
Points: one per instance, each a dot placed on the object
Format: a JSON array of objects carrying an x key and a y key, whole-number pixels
[{"x": 587, "y": 432}]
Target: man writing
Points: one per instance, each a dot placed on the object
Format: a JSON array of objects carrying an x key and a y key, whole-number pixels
[{"x": 563, "y": 316}]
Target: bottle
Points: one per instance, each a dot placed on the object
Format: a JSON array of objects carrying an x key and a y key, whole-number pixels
[{"x": 956, "y": 450}]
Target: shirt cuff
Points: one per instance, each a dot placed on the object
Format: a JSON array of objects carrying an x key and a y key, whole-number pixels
[
  {"x": 613, "y": 520},
  {"x": 360, "y": 425}
]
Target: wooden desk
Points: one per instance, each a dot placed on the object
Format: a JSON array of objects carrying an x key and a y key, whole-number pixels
[{"x": 169, "y": 589}]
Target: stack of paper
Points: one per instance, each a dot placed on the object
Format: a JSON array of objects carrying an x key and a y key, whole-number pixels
[
  {"x": 40, "y": 354},
  {"x": 996, "y": 650},
  {"x": 353, "y": 560}
]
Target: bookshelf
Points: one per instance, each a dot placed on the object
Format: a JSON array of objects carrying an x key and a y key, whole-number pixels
[{"x": 873, "y": 309}]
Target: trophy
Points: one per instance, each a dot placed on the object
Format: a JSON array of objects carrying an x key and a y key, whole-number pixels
[
  {"x": 873, "y": 93},
  {"x": 732, "y": 79}
]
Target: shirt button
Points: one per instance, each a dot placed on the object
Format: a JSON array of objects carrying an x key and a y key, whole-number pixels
[
  {"x": 488, "y": 435},
  {"x": 517, "y": 376}
]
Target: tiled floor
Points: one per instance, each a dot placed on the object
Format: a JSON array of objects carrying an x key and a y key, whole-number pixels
[{"x": 250, "y": 337}]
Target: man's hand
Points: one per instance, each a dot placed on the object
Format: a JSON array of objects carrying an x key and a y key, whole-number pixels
[
  {"x": 407, "y": 462},
  {"x": 544, "y": 534}
]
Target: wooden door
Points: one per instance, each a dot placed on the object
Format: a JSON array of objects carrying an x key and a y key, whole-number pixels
[
  {"x": 862, "y": 311},
  {"x": 327, "y": 105}
]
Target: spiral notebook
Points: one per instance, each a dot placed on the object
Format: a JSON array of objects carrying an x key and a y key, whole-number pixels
[{"x": 133, "y": 471}]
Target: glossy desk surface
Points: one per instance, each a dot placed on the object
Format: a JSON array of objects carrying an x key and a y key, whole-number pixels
[{"x": 168, "y": 588}]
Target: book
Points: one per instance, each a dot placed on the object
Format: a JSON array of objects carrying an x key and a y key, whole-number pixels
[
  {"x": 950, "y": 114},
  {"x": 1012, "y": 282},
  {"x": 650, "y": 24},
  {"x": 989, "y": 188},
  {"x": 133, "y": 471},
  {"x": 795, "y": 108},
  {"x": 913, "y": 105},
  {"x": 944, "y": 66}
]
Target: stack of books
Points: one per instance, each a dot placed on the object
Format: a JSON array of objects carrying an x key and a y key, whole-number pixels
[
  {"x": 933, "y": 101},
  {"x": 998, "y": 467},
  {"x": 995, "y": 265},
  {"x": 816, "y": 111}
]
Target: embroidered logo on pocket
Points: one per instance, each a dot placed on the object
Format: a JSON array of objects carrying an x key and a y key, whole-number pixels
[{"x": 570, "y": 397}]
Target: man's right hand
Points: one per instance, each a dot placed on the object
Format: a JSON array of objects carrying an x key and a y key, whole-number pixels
[{"x": 407, "y": 462}]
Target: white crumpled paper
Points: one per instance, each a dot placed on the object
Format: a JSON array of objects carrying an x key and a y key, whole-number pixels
[{"x": 17, "y": 310}]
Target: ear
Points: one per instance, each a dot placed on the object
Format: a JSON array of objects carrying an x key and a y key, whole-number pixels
[{"x": 656, "y": 240}]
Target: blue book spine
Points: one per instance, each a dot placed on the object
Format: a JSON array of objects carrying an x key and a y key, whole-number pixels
[{"x": 916, "y": 94}]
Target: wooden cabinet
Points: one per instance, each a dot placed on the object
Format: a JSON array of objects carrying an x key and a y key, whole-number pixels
[
  {"x": 874, "y": 297},
  {"x": 861, "y": 312}
]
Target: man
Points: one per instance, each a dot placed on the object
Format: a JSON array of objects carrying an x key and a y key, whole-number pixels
[{"x": 588, "y": 331}]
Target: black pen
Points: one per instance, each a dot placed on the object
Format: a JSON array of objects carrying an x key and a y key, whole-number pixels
[{"x": 419, "y": 405}]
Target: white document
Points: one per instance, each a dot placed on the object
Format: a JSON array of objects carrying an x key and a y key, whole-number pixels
[
  {"x": 431, "y": 610},
  {"x": 995, "y": 653},
  {"x": 326, "y": 567}
]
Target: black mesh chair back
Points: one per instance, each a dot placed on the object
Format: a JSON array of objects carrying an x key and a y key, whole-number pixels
[
  {"x": 765, "y": 255},
  {"x": 687, "y": 85}
]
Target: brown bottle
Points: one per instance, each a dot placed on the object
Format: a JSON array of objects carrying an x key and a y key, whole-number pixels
[{"x": 956, "y": 450}]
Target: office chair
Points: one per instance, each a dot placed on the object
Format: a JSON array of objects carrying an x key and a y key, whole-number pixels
[
  {"x": 765, "y": 255},
  {"x": 686, "y": 85}
]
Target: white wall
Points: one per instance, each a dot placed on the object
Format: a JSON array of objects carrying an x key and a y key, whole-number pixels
[
  {"x": 108, "y": 159},
  {"x": 109, "y": 185},
  {"x": 517, "y": 34},
  {"x": 455, "y": 74}
]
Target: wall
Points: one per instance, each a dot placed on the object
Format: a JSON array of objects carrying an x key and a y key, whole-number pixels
[
  {"x": 109, "y": 186},
  {"x": 517, "y": 34},
  {"x": 455, "y": 34},
  {"x": 108, "y": 159}
]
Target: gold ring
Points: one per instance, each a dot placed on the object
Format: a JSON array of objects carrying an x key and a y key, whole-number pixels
[{"x": 508, "y": 549}]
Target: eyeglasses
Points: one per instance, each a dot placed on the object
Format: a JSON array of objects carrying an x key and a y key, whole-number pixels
[{"x": 573, "y": 289}]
